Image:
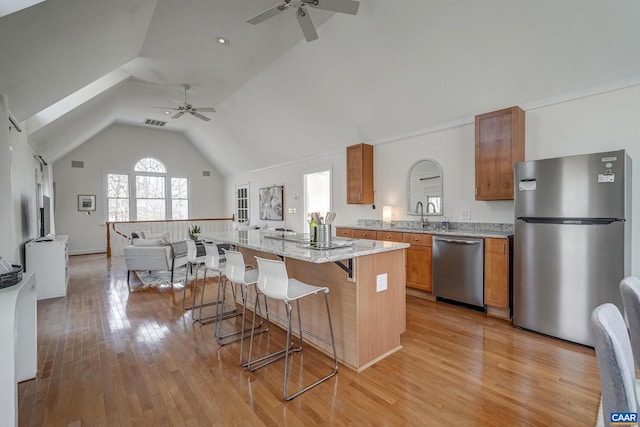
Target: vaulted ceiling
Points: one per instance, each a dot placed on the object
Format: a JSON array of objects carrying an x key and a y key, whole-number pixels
[{"x": 71, "y": 68}]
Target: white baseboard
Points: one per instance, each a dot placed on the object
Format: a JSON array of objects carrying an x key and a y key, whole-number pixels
[{"x": 88, "y": 251}]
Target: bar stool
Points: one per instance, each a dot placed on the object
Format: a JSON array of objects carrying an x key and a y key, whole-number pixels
[
  {"x": 274, "y": 282},
  {"x": 193, "y": 260},
  {"x": 237, "y": 273},
  {"x": 214, "y": 263}
]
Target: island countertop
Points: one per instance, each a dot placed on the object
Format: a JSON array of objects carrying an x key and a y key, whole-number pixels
[
  {"x": 296, "y": 246},
  {"x": 366, "y": 294}
]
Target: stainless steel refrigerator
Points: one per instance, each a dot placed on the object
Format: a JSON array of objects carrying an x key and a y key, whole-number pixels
[{"x": 572, "y": 241}]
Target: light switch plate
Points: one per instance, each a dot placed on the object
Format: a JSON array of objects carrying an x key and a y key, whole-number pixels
[
  {"x": 381, "y": 282},
  {"x": 466, "y": 214}
]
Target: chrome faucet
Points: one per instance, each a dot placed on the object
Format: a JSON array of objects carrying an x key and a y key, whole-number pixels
[{"x": 423, "y": 221}]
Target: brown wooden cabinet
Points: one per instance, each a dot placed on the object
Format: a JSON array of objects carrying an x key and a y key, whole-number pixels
[
  {"x": 498, "y": 264},
  {"x": 360, "y": 174},
  {"x": 389, "y": 236},
  {"x": 419, "y": 258},
  {"x": 497, "y": 273},
  {"x": 344, "y": 232},
  {"x": 499, "y": 144},
  {"x": 365, "y": 234}
]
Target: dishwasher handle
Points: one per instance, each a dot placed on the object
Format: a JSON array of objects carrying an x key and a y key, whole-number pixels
[{"x": 459, "y": 241}]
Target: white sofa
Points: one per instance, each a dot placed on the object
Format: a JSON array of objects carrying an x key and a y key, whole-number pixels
[{"x": 153, "y": 253}]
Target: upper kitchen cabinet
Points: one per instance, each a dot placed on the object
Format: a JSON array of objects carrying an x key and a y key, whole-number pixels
[
  {"x": 499, "y": 145},
  {"x": 360, "y": 174}
]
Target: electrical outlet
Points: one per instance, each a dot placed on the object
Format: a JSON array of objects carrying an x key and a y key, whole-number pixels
[
  {"x": 466, "y": 214},
  {"x": 381, "y": 282},
  {"x": 292, "y": 210}
]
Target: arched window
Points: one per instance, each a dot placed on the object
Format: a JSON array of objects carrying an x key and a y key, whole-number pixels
[
  {"x": 150, "y": 189},
  {"x": 156, "y": 196},
  {"x": 150, "y": 165}
]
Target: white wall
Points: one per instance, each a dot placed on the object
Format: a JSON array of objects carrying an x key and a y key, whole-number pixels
[
  {"x": 117, "y": 149},
  {"x": 18, "y": 215},
  {"x": 595, "y": 123}
]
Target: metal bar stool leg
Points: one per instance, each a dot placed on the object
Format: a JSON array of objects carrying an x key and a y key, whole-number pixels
[
  {"x": 184, "y": 288},
  {"x": 255, "y": 364},
  {"x": 335, "y": 357},
  {"x": 214, "y": 317},
  {"x": 195, "y": 292},
  {"x": 237, "y": 334},
  {"x": 273, "y": 282}
]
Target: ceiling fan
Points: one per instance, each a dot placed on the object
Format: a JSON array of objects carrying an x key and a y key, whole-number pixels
[
  {"x": 302, "y": 13},
  {"x": 188, "y": 108}
]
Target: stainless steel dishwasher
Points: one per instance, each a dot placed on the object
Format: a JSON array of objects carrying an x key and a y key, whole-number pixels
[{"x": 458, "y": 269}]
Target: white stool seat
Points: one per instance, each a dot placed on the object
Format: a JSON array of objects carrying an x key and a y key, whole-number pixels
[{"x": 297, "y": 289}]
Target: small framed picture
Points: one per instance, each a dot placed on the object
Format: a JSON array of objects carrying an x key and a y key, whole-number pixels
[{"x": 86, "y": 202}]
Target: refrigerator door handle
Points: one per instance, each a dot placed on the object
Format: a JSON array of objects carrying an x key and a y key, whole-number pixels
[{"x": 569, "y": 221}]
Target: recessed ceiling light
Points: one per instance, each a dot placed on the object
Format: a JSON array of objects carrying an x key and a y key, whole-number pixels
[
  {"x": 167, "y": 112},
  {"x": 222, "y": 40}
]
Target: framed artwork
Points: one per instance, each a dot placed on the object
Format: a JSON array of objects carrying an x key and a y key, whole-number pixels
[
  {"x": 271, "y": 208},
  {"x": 86, "y": 202}
]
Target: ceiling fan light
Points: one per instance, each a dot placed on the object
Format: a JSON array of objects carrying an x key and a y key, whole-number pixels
[{"x": 222, "y": 40}]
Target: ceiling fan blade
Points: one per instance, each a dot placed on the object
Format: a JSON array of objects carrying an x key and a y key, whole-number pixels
[
  {"x": 308, "y": 29},
  {"x": 342, "y": 6},
  {"x": 167, "y": 108},
  {"x": 269, "y": 13},
  {"x": 204, "y": 109},
  {"x": 200, "y": 116},
  {"x": 177, "y": 115}
]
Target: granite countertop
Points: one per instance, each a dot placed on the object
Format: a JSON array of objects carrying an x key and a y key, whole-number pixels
[
  {"x": 296, "y": 246},
  {"x": 474, "y": 231}
]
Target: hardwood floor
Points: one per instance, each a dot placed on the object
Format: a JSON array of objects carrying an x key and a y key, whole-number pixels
[{"x": 110, "y": 358}]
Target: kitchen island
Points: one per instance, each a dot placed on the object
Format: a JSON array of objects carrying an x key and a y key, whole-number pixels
[{"x": 366, "y": 282}]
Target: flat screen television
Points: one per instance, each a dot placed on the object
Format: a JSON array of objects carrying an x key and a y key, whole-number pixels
[{"x": 45, "y": 217}]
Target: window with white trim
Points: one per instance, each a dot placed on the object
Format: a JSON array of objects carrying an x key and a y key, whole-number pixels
[
  {"x": 117, "y": 197},
  {"x": 145, "y": 196},
  {"x": 179, "y": 198}
]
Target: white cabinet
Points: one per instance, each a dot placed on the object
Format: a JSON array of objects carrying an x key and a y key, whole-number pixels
[
  {"x": 49, "y": 261},
  {"x": 18, "y": 335}
]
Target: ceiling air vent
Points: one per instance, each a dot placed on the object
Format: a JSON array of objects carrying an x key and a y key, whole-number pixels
[
  {"x": 77, "y": 164},
  {"x": 152, "y": 122},
  {"x": 206, "y": 173}
]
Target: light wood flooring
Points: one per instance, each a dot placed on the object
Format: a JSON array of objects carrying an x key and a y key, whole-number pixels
[{"x": 110, "y": 358}]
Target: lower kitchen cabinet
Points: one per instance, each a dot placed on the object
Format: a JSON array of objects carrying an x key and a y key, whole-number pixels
[
  {"x": 344, "y": 232},
  {"x": 389, "y": 236},
  {"x": 498, "y": 264},
  {"x": 497, "y": 268},
  {"x": 418, "y": 264},
  {"x": 365, "y": 234}
]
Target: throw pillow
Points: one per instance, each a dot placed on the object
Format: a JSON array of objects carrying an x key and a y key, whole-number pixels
[
  {"x": 148, "y": 242},
  {"x": 164, "y": 236}
]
